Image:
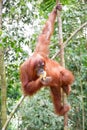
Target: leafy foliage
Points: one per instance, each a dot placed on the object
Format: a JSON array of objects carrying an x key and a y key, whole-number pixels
[
  {"x": 20, "y": 31},
  {"x": 45, "y": 118}
]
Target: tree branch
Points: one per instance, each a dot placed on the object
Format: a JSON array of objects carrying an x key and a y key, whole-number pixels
[
  {"x": 62, "y": 60},
  {"x": 12, "y": 113},
  {"x": 72, "y": 35}
]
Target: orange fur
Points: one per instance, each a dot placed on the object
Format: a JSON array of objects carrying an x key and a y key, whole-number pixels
[{"x": 60, "y": 77}]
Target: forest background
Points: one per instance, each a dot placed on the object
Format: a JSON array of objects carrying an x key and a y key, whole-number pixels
[{"x": 22, "y": 21}]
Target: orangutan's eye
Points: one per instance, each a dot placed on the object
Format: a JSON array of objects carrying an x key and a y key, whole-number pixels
[{"x": 41, "y": 64}]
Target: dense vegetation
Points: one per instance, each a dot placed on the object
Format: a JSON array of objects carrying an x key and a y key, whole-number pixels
[{"x": 19, "y": 34}]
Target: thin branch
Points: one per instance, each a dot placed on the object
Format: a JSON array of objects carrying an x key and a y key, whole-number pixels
[
  {"x": 72, "y": 35},
  {"x": 64, "y": 97},
  {"x": 55, "y": 55},
  {"x": 12, "y": 113}
]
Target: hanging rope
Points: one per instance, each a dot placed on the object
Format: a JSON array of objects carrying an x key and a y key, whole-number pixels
[{"x": 62, "y": 61}]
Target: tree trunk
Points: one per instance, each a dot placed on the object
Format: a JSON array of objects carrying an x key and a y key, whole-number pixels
[
  {"x": 2, "y": 77},
  {"x": 3, "y": 88}
]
